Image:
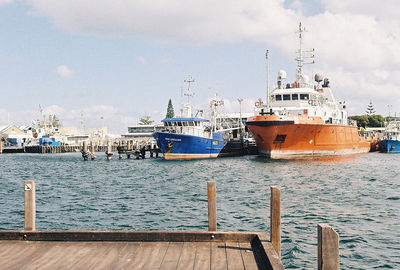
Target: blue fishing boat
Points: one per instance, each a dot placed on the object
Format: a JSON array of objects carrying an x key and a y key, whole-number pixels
[
  {"x": 389, "y": 146},
  {"x": 188, "y": 136},
  {"x": 391, "y": 140}
]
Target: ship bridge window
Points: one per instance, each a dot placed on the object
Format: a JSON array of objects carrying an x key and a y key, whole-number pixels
[
  {"x": 304, "y": 96},
  {"x": 278, "y": 97},
  {"x": 180, "y": 124},
  {"x": 185, "y": 124},
  {"x": 295, "y": 96},
  {"x": 286, "y": 97},
  {"x": 191, "y": 123}
]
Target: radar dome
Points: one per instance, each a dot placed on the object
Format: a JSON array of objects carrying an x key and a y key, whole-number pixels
[
  {"x": 281, "y": 75},
  {"x": 318, "y": 77}
]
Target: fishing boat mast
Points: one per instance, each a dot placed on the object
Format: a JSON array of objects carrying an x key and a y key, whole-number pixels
[
  {"x": 268, "y": 97},
  {"x": 186, "y": 110},
  {"x": 300, "y": 78}
]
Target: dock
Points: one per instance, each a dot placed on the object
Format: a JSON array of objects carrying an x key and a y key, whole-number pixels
[{"x": 32, "y": 249}]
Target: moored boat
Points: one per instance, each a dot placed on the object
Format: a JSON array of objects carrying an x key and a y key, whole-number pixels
[
  {"x": 188, "y": 136},
  {"x": 391, "y": 140},
  {"x": 301, "y": 119}
]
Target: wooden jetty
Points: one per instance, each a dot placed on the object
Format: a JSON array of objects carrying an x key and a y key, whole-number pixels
[{"x": 31, "y": 249}]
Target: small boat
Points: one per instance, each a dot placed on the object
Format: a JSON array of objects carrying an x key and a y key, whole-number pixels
[
  {"x": 189, "y": 137},
  {"x": 302, "y": 119},
  {"x": 391, "y": 141}
]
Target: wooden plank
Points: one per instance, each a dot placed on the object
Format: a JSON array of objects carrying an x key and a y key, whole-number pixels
[
  {"x": 72, "y": 254},
  {"x": 172, "y": 256},
  {"x": 218, "y": 256},
  {"x": 130, "y": 236},
  {"x": 150, "y": 255},
  {"x": 126, "y": 255},
  {"x": 188, "y": 255},
  {"x": 246, "y": 251},
  {"x": 93, "y": 253},
  {"x": 234, "y": 256},
  {"x": 14, "y": 255},
  {"x": 203, "y": 258}
]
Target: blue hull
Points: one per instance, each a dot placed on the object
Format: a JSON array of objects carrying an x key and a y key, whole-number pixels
[
  {"x": 182, "y": 146},
  {"x": 389, "y": 146}
]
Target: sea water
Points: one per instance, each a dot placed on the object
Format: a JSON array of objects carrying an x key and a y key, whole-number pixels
[{"x": 359, "y": 196}]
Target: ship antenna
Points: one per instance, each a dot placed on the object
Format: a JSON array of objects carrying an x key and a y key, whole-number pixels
[
  {"x": 302, "y": 54},
  {"x": 188, "y": 93},
  {"x": 267, "y": 59}
]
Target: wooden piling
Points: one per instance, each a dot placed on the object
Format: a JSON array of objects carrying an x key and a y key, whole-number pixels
[
  {"x": 29, "y": 205},
  {"x": 92, "y": 150},
  {"x": 275, "y": 219},
  {"x": 328, "y": 248},
  {"x": 212, "y": 206},
  {"x": 109, "y": 151}
]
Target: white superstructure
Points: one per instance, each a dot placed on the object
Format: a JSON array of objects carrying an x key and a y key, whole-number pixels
[{"x": 302, "y": 97}]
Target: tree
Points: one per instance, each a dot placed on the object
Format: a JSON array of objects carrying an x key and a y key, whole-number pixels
[
  {"x": 370, "y": 109},
  {"x": 364, "y": 121},
  {"x": 170, "y": 110},
  {"x": 145, "y": 120}
]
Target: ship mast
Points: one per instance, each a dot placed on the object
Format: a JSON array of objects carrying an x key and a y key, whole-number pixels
[
  {"x": 267, "y": 60},
  {"x": 301, "y": 54},
  {"x": 186, "y": 108}
]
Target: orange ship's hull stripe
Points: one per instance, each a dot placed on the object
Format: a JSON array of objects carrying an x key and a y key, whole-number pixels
[
  {"x": 304, "y": 140},
  {"x": 171, "y": 156}
]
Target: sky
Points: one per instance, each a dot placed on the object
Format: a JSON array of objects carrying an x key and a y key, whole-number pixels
[{"x": 120, "y": 60}]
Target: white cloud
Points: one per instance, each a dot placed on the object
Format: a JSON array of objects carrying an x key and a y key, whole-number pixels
[
  {"x": 357, "y": 41},
  {"x": 142, "y": 60},
  {"x": 64, "y": 71},
  {"x": 5, "y": 2}
]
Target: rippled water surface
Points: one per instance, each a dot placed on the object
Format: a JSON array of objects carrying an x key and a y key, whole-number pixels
[{"x": 358, "y": 196}]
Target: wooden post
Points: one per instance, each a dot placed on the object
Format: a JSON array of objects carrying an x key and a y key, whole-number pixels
[
  {"x": 212, "y": 206},
  {"x": 328, "y": 248},
  {"x": 92, "y": 149},
  {"x": 275, "y": 219},
  {"x": 109, "y": 151},
  {"x": 29, "y": 205}
]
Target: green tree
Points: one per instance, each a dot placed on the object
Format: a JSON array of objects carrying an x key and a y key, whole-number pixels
[
  {"x": 376, "y": 120},
  {"x": 145, "y": 120},
  {"x": 370, "y": 109},
  {"x": 362, "y": 120},
  {"x": 170, "y": 110}
]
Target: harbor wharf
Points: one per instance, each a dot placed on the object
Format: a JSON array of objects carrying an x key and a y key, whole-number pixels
[{"x": 33, "y": 249}]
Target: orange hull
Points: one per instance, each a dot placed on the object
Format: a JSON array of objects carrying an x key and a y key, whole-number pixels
[{"x": 304, "y": 137}]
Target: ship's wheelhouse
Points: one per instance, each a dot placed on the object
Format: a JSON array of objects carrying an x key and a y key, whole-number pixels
[{"x": 188, "y": 126}]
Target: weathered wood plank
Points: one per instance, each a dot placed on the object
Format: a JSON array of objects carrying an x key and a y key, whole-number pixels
[
  {"x": 234, "y": 256},
  {"x": 188, "y": 255},
  {"x": 246, "y": 251},
  {"x": 125, "y": 256},
  {"x": 202, "y": 260},
  {"x": 218, "y": 256},
  {"x": 150, "y": 255},
  {"x": 128, "y": 236},
  {"x": 19, "y": 258},
  {"x": 172, "y": 256}
]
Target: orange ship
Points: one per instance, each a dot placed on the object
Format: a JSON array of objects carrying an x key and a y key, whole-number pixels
[{"x": 304, "y": 120}]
